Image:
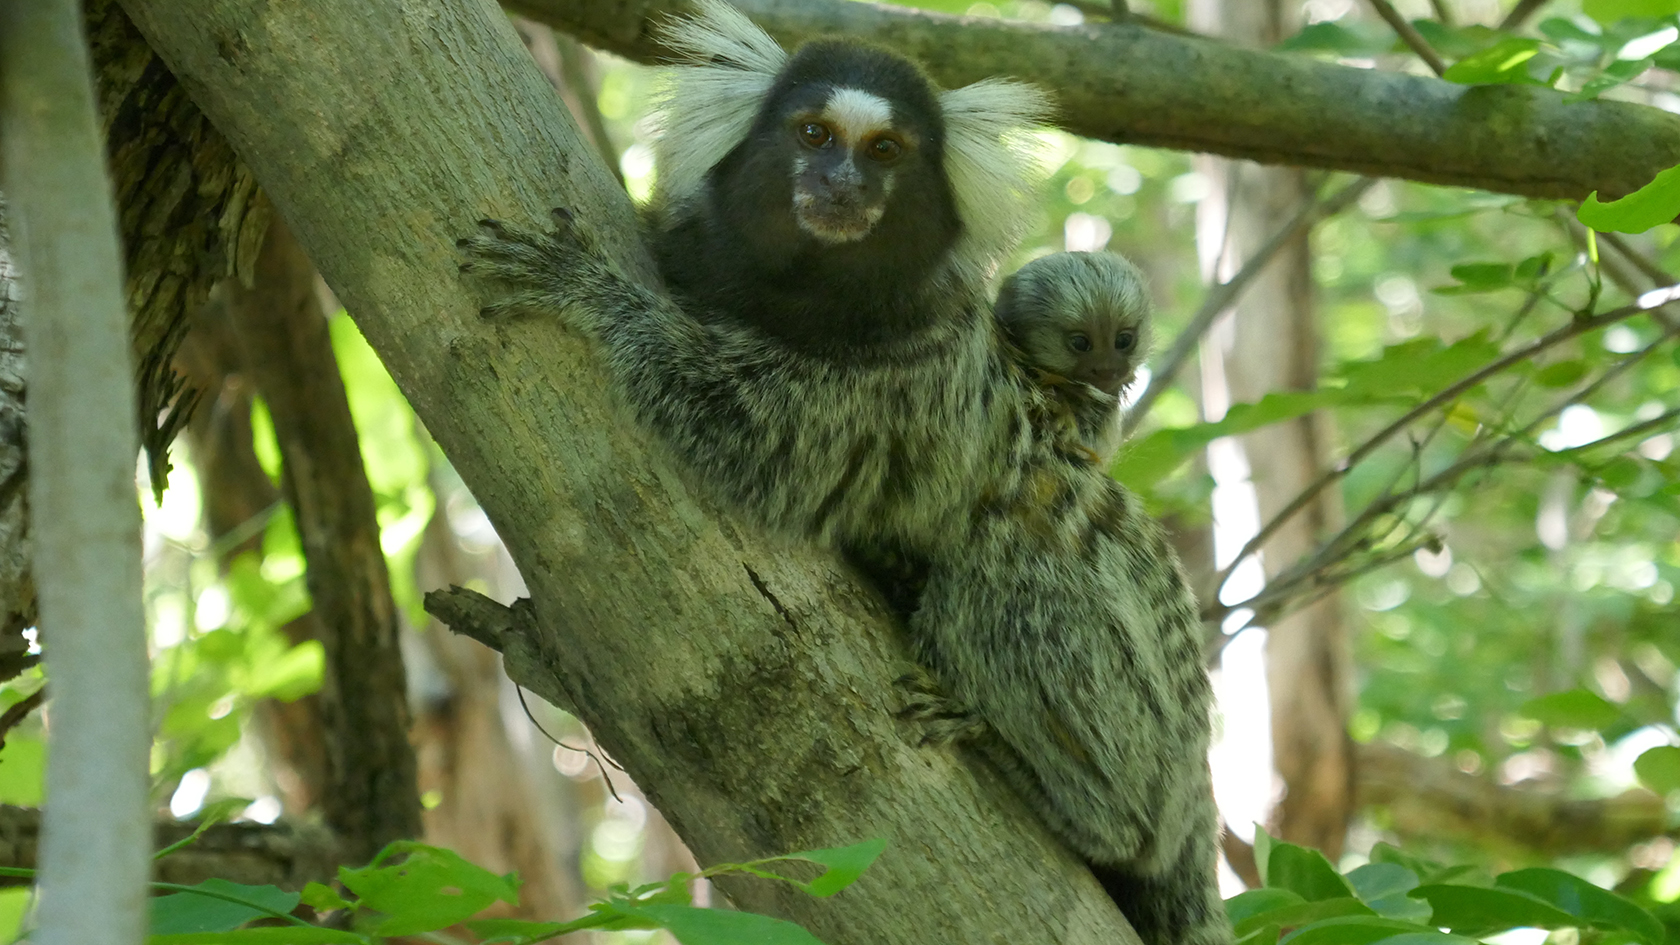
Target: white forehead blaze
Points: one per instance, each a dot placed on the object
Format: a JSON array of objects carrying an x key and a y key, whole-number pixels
[{"x": 854, "y": 114}]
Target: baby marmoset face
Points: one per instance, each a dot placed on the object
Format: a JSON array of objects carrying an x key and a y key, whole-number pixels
[{"x": 1084, "y": 317}]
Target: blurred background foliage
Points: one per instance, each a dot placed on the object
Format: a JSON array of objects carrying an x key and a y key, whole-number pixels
[{"x": 1522, "y": 629}]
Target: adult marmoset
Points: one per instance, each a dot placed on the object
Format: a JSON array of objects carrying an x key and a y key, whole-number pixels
[
  {"x": 1082, "y": 322},
  {"x": 828, "y": 362}
]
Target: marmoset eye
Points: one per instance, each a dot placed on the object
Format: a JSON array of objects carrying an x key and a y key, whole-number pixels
[
  {"x": 1079, "y": 343},
  {"x": 815, "y": 134},
  {"x": 885, "y": 150},
  {"x": 1124, "y": 341}
]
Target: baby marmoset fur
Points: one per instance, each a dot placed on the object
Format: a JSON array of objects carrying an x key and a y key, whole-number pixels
[
  {"x": 1083, "y": 323},
  {"x": 828, "y": 362}
]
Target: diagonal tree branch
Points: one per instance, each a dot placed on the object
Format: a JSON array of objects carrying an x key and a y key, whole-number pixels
[
  {"x": 1410, "y": 36},
  {"x": 745, "y": 684},
  {"x": 1126, "y": 83}
]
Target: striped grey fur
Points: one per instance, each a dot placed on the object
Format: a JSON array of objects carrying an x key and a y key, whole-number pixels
[{"x": 1053, "y": 616}]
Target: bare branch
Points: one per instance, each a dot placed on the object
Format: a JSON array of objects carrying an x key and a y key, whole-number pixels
[
  {"x": 1520, "y": 13},
  {"x": 1409, "y": 35},
  {"x": 1429, "y": 798},
  {"x": 1221, "y": 297},
  {"x": 1575, "y": 328}
]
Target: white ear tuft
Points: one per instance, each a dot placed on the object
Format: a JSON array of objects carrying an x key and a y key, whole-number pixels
[
  {"x": 711, "y": 96},
  {"x": 991, "y": 160}
]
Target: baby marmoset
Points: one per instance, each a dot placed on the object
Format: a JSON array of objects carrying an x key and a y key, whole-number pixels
[
  {"x": 828, "y": 362},
  {"x": 1083, "y": 323}
]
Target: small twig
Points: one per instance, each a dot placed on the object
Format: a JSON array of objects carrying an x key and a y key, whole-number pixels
[
  {"x": 1520, "y": 13},
  {"x": 1442, "y": 11},
  {"x": 1575, "y": 328},
  {"x": 520, "y": 691},
  {"x": 19, "y": 711},
  {"x": 1657, "y": 274},
  {"x": 1312, "y": 568},
  {"x": 1410, "y": 36},
  {"x": 1223, "y": 295}
]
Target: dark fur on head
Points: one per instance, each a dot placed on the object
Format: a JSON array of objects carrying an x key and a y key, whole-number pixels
[{"x": 748, "y": 256}]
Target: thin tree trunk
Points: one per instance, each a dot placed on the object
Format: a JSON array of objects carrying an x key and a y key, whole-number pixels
[
  {"x": 1275, "y": 347},
  {"x": 97, "y": 834},
  {"x": 746, "y": 685},
  {"x": 369, "y": 796}
]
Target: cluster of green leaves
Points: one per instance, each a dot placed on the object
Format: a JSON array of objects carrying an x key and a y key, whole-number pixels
[
  {"x": 215, "y": 669},
  {"x": 1399, "y": 899},
  {"x": 1615, "y": 43},
  {"x": 411, "y": 889}
]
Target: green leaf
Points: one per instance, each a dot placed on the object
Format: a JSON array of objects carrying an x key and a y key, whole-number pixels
[
  {"x": 1591, "y": 905},
  {"x": 1656, "y": 203},
  {"x": 1475, "y": 910},
  {"x": 1609, "y": 11},
  {"x": 213, "y": 911},
  {"x": 1262, "y": 852},
  {"x": 1383, "y": 887},
  {"x": 1481, "y": 277},
  {"x": 1659, "y": 769},
  {"x": 22, "y": 764},
  {"x": 694, "y": 926},
  {"x": 1332, "y": 37},
  {"x": 323, "y": 898},
  {"x": 1620, "y": 474},
  {"x": 1348, "y": 930},
  {"x": 430, "y": 889},
  {"x": 1426, "y": 938},
  {"x": 1305, "y": 913},
  {"x": 1561, "y": 374},
  {"x": 1503, "y": 63},
  {"x": 1246, "y": 905},
  {"x": 1306, "y": 872},
  {"x": 1265, "y": 935},
  {"x": 267, "y": 935},
  {"x": 1620, "y": 72},
  {"x": 491, "y": 930},
  {"x": 842, "y": 866},
  {"x": 1575, "y": 708}
]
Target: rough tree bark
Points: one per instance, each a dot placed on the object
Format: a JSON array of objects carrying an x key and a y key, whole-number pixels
[
  {"x": 746, "y": 685},
  {"x": 1275, "y": 347},
  {"x": 1126, "y": 83},
  {"x": 189, "y": 215}
]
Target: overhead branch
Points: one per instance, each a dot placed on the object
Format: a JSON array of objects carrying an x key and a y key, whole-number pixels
[
  {"x": 1126, "y": 83},
  {"x": 283, "y": 854},
  {"x": 745, "y": 684},
  {"x": 1221, "y": 297},
  {"x": 1432, "y": 799}
]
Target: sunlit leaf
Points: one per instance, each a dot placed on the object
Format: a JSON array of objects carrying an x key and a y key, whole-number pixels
[
  {"x": 841, "y": 866},
  {"x": 1305, "y": 913},
  {"x": 1609, "y": 11},
  {"x": 1306, "y": 872},
  {"x": 1651, "y": 205},
  {"x": 22, "y": 765},
  {"x": 1505, "y": 62},
  {"x": 430, "y": 888},
  {"x": 1659, "y": 769},
  {"x": 322, "y": 898},
  {"x": 1561, "y": 374}
]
